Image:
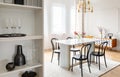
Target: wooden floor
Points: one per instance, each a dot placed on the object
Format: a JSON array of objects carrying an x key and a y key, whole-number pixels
[
  {"x": 114, "y": 55},
  {"x": 111, "y": 54}
]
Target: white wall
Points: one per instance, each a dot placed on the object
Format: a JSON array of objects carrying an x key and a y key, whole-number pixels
[
  {"x": 119, "y": 20},
  {"x": 107, "y": 18},
  {"x": 118, "y": 33}
]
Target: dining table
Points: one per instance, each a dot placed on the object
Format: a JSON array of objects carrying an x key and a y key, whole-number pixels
[{"x": 65, "y": 45}]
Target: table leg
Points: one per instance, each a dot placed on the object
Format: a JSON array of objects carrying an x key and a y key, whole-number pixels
[{"x": 65, "y": 61}]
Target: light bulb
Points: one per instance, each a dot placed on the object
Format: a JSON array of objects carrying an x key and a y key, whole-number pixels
[{"x": 88, "y": 2}]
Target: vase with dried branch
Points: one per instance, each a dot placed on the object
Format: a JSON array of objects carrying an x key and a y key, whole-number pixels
[{"x": 101, "y": 31}]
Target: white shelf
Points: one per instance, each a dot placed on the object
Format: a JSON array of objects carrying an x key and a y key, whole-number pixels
[
  {"x": 18, "y": 6},
  {"x": 20, "y": 38},
  {"x": 3, "y": 70}
]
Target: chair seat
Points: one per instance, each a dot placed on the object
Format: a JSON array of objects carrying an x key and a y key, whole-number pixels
[
  {"x": 80, "y": 57},
  {"x": 57, "y": 51},
  {"x": 97, "y": 53},
  {"x": 74, "y": 49}
]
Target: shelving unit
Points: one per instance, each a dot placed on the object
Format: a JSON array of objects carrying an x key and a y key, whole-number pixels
[{"x": 32, "y": 25}]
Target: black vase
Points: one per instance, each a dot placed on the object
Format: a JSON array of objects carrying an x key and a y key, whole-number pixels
[
  {"x": 21, "y": 2},
  {"x": 19, "y": 58}
]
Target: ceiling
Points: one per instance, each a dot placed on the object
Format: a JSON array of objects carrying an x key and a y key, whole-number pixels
[{"x": 106, "y": 3}]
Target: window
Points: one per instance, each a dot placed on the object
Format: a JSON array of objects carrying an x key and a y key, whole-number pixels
[
  {"x": 58, "y": 19},
  {"x": 72, "y": 20}
]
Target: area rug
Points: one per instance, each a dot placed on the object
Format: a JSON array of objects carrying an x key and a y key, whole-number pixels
[{"x": 53, "y": 70}]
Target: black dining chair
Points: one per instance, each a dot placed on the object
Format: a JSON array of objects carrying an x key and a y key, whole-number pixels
[
  {"x": 55, "y": 48},
  {"x": 100, "y": 53},
  {"x": 82, "y": 56},
  {"x": 73, "y": 49}
]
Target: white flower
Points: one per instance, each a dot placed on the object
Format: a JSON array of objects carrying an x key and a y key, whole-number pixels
[{"x": 100, "y": 29}]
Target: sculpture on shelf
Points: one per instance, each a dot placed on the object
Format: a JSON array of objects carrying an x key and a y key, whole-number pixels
[
  {"x": 10, "y": 66},
  {"x": 19, "y": 58}
]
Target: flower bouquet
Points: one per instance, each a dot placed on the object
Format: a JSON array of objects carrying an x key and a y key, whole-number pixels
[{"x": 77, "y": 34}]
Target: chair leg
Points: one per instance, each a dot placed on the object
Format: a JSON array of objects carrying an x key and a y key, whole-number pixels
[
  {"x": 89, "y": 66},
  {"x": 52, "y": 56},
  {"x": 74, "y": 54},
  {"x": 99, "y": 62},
  {"x": 90, "y": 59},
  {"x": 72, "y": 65},
  {"x": 105, "y": 61},
  {"x": 58, "y": 58},
  {"x": 96, "y": 59},
  {"x": 81, "y": 68}
]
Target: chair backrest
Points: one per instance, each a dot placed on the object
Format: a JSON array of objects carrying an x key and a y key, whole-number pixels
[
  {"x": 85, "y": 50},
  {"x": 73, "y": 46},
  {"x": 69, "y": 38},
  {"x": 102, "y": 47},
  {"x": 55, "y": 45}
]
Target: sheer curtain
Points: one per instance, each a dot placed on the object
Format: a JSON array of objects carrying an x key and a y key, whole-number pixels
[
  {"x": 58, "y": 19},
  {"x": 54, "y": 21}
]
